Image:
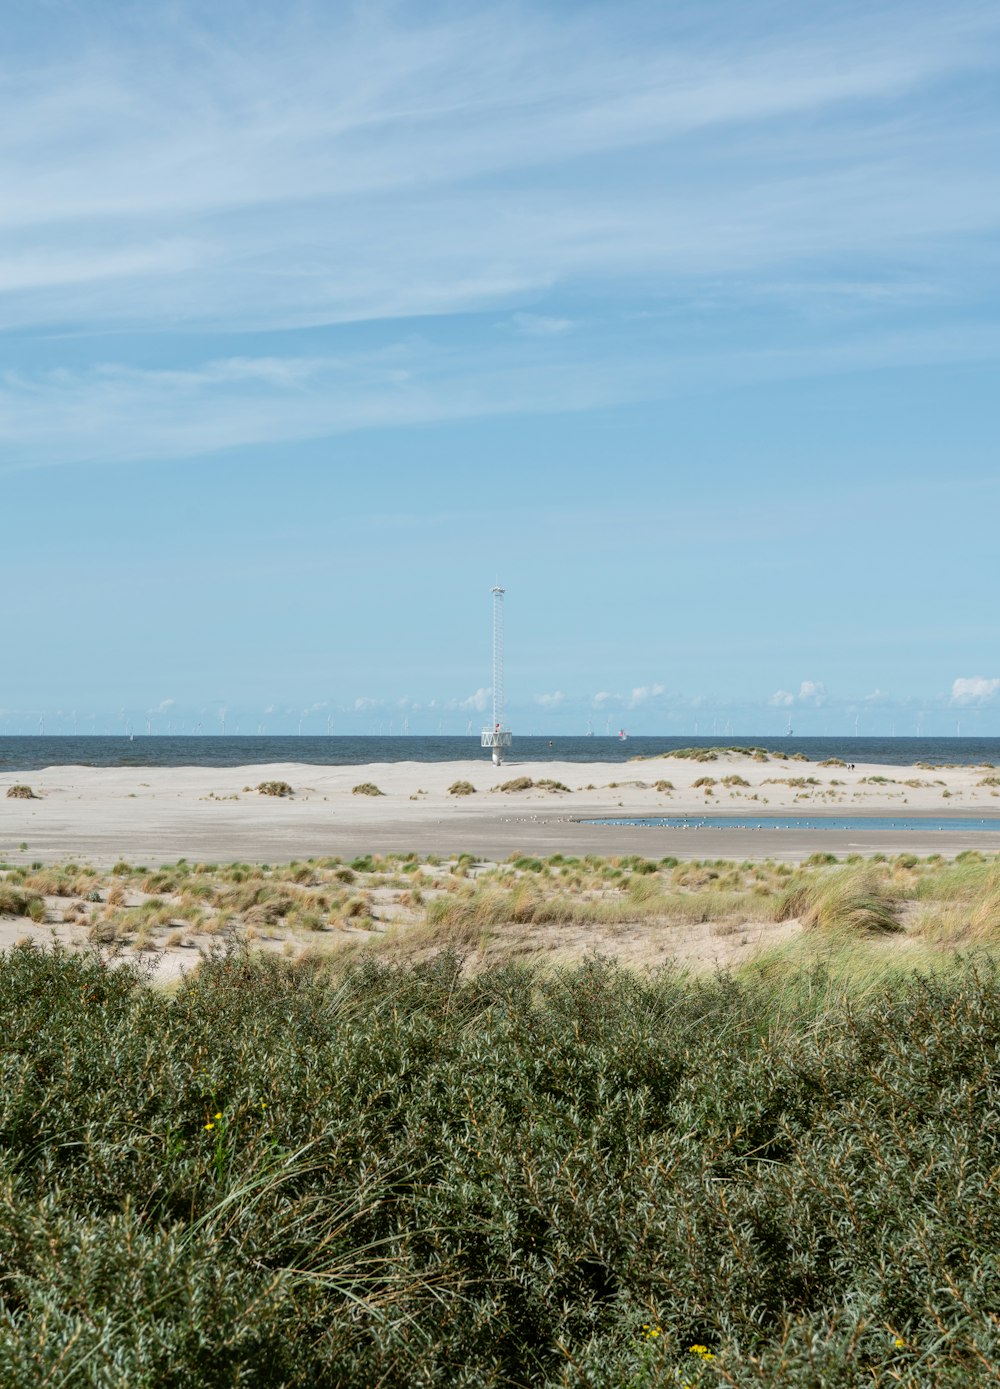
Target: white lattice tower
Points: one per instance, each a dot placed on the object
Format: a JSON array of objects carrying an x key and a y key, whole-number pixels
[
  {"x": 497, "y": 737},
  {"x": 498, "y": 658}
]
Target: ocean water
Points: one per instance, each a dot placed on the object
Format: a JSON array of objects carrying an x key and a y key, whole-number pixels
[{"x": 235, "y": 750}]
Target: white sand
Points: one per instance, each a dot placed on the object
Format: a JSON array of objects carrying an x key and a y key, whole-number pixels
[{"x": 156, "y": 815}]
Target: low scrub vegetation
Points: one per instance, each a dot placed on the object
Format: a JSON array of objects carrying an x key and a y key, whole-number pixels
[
  {"x": 461, "y": 788},
  {"x": 366, "y": 788},
  {"x": 20, "y": 792},
  {"x": 412, "y": 1177}
]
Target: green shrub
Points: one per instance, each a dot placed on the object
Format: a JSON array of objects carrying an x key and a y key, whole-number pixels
[{"x": 279, "y": 1178}]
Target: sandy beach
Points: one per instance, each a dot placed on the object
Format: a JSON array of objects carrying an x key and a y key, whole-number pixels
[{"x": 157, "y": 815}]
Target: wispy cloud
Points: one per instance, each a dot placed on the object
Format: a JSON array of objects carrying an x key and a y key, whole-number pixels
[
  {"x": 223, "y": 171},
  {"x": 257, "y": 172},
  {"x": 116, "y": 412},
  {"x": 533, "y": 325}
]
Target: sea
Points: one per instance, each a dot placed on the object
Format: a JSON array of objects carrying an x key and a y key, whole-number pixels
[{"x": 27, "y": 753}]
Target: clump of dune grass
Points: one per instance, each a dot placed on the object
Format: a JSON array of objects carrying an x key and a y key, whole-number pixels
[
  {"x": 20, "y": 792},
  {"x": 366, "y": 788},
  {"x": 548, "y": 784},
  {"x": 833, "y": 762},
  {"x": 275, "y": 788},
  {"x": 518, "y": 783},
  {"x": 852, "y": 900},
  {"x": 663, "y": 785},
  {"x": 735, "y": 780},
  {"x": 17, "y": 901},
  {"x": 968, "y": 913},
  {"x": 706, "y": 781},
  {"x": 461, "y": 788}
]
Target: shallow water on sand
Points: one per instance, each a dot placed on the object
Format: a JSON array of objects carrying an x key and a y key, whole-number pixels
[{"x": 803, "y": 822}]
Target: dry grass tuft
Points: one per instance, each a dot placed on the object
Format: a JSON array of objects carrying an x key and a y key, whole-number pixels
[
  {"x": 21, "y": 793},
  {"x": 461, "y": 788},
  {"x": 853, "y": 900},
  {"x": 366, "y": 788},
  {"x": 275, "y": 788}
]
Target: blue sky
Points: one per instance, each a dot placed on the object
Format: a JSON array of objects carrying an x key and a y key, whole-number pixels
[{"x": 680, "y": 319}]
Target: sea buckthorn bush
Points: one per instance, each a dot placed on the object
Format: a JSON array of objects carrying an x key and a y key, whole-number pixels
[{"x": 409, "y": 1176}]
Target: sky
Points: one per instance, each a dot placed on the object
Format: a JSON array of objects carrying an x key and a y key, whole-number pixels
[{"x": 681, "y": 320}]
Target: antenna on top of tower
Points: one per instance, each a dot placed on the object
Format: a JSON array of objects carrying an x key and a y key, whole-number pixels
[{"x": 498, "y": 736}]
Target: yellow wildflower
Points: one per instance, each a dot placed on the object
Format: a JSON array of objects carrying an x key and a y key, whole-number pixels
[
  {"x": 899, "y": 1343},
  {"x": 210, "y": 1125}
]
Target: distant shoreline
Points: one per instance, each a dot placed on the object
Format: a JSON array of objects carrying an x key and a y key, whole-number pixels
[{"x": 34, "y": 752}]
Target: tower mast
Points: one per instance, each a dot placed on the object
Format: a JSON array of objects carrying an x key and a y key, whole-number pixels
[{"x": 498, "y": 736}]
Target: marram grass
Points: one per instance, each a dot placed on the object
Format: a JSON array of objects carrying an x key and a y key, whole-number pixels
[{"x": 413, "y": 1177}]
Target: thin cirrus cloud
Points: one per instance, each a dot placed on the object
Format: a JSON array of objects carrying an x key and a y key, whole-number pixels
[
  {"x": 116, "y": 412},
  {"x": 296, "y": 167},
  {"x": 232, "y": 174}
]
